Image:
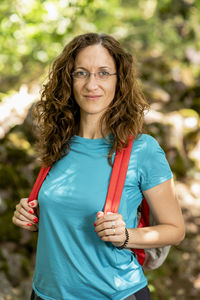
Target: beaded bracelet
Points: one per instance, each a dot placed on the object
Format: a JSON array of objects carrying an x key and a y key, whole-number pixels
[{"x": 126, "y": 240}]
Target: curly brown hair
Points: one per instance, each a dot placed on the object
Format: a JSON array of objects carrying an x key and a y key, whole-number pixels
[{"x": 57, "y": 114}]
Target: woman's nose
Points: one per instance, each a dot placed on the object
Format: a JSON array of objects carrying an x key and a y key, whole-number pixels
[{"x": 91, "y": 82}]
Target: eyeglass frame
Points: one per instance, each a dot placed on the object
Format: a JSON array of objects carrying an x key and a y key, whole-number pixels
[{"x": 89, "y": 73}]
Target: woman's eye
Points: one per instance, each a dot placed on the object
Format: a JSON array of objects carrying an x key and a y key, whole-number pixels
[
  {"x": 81, "y": 73},
  {"x": 104, "y": 73}
]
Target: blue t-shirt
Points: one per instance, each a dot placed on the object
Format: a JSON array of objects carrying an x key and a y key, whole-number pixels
[{"x": 72, "y": 262}]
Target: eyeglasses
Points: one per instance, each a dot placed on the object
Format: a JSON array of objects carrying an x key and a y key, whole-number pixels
[{"x": 101, "y": 75}]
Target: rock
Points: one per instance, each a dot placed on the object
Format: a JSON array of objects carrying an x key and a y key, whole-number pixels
[
  {"x": 3, "y": 205},
  {"x": 14, "y": 263},
  {"x": 6, "y": 290},
  {"x": 25, "y": 289}
]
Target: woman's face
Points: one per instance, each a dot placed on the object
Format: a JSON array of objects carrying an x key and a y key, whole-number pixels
[{"x": 93, "y": 95}]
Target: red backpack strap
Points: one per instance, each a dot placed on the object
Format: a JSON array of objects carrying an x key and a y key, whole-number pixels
[
  {"x": 144, "y": 222},
  {"x": 113, "y": 181},
  {"x": 116, "y": 185},
  {"x": 117, "y": 179},
  {"x": 41, "y": 177},
  {"x": 144, "y": 219}
]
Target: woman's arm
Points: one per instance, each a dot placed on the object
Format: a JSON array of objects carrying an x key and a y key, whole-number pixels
[{"x": 165, "y": 208}]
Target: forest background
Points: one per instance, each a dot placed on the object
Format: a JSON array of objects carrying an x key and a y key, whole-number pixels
[{"x": 165, "y": 38}]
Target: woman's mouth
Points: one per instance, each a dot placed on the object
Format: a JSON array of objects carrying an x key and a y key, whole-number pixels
[{"x": 92, "y": 97}]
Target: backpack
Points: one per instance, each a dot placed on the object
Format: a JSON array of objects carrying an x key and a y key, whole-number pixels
[{"x": 149, "y": 259}]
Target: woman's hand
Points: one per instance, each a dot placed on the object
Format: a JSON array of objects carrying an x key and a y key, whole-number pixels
[
  {"x": 110, "y": 227},
  {"x": 26, "y": 214}
]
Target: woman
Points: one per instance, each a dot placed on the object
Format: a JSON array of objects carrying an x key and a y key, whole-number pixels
[{"x": 88, "y": 109}]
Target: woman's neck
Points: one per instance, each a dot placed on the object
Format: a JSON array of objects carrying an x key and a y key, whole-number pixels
[
  {"x": 89, "y": 128},
  {"x": 89, "y": 132}
]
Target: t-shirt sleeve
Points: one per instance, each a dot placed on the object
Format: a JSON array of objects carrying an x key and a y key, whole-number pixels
[{"x": 154, "y": 167}]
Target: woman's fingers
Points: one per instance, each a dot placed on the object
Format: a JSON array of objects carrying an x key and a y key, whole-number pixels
[
  {"x": 109, "y": 221},
  {"x": 102, "y": 217},
  {"x": 28, "y": 209},
  {"x": 24, "y": 215},
  {"x": 34, "y": 205},
  {"x": 110, "y": 227},
  {"x": 26, "y": 205},
  {"x": 24, "y": 224}
]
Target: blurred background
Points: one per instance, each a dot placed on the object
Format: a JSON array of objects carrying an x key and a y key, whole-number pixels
[{"x": 165, "y": 38}]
